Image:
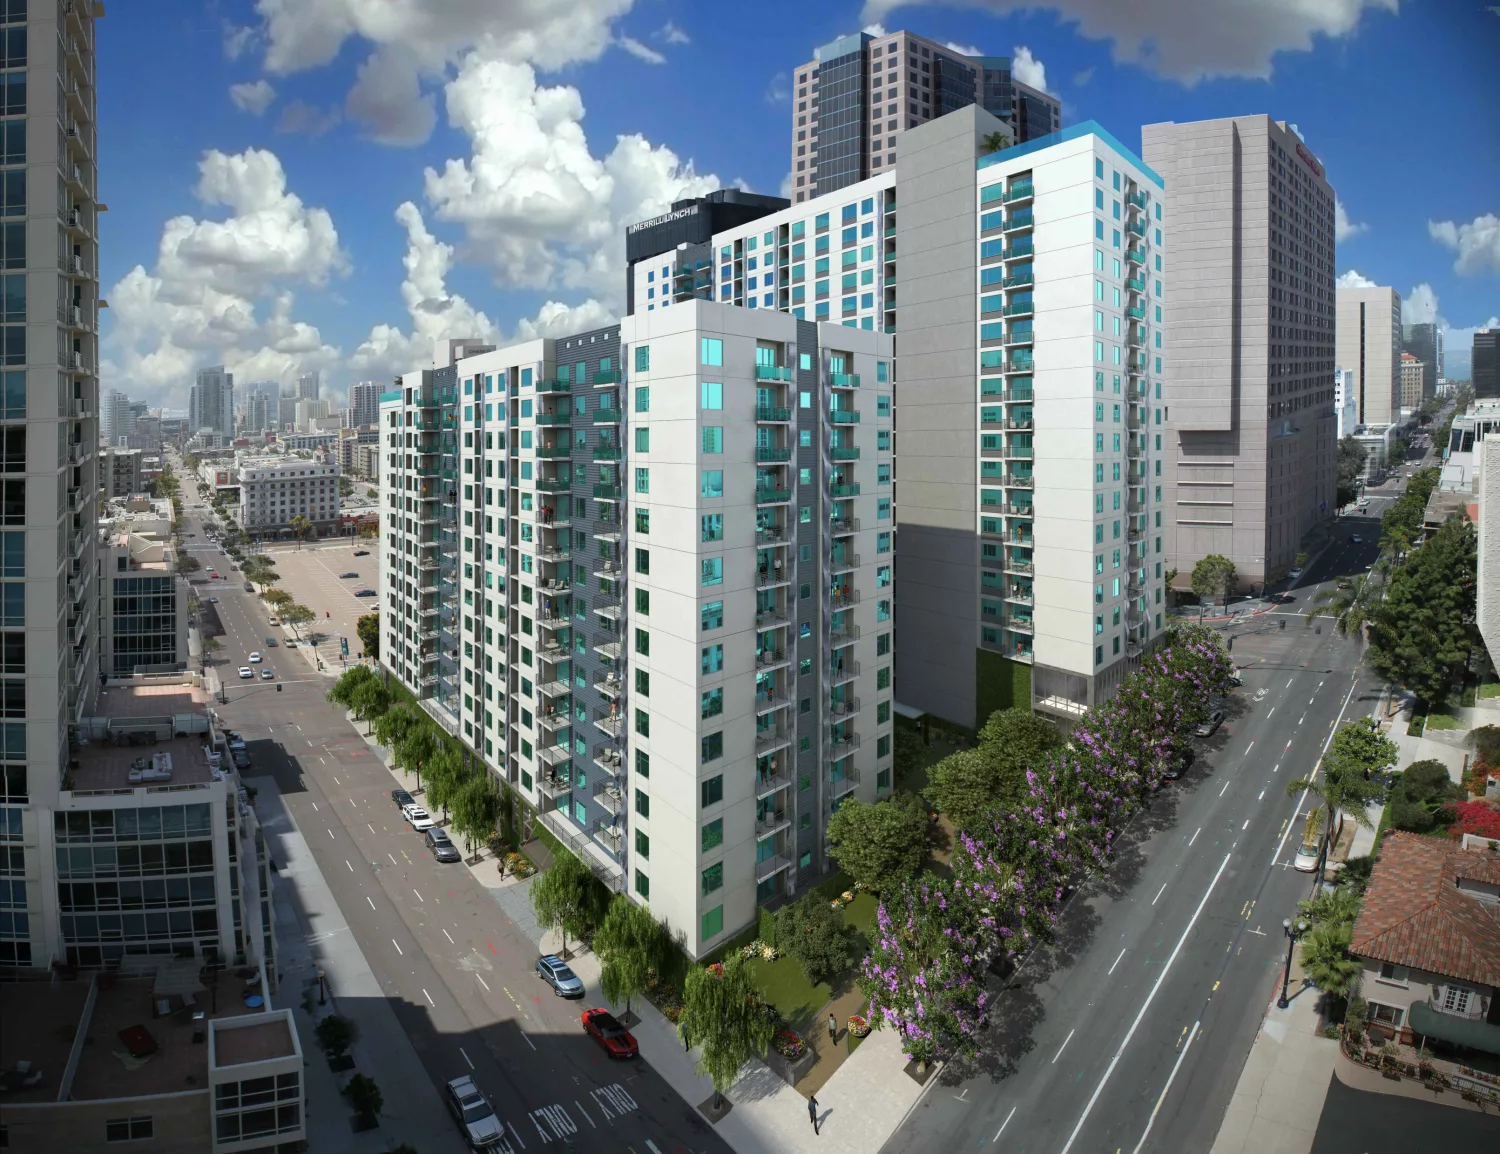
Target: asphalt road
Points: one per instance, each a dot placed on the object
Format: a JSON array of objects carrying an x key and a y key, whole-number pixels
[
  {"x": 1131, "y": 1031},
  {"x": 458, "y": 973}
]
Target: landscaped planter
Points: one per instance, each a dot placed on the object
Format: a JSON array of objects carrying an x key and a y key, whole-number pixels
[
  {"x": 859, "y": 1027},
  {"x": 789, "y": 1056}
]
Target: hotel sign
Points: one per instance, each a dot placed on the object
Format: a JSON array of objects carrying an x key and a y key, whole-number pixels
[
  {"x": 1309, "y": 160},
  {"x": 680, "y": 214}
]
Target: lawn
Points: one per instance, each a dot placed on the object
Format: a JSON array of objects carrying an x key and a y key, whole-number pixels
[
  {"x": 1489, "y": 689},
  {"x": 1443, "y": 721},
  {"x": 782, "y": 983}
]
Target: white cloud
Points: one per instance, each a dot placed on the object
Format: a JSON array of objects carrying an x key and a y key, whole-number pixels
[
  {"x": 1189, "y": 40},
  {"x": 1420, "y": 306},
  {"x": 387, "y": 99},
  {"x": 252, "y": 98},
  {"x": 536, "y": 204},
  {"x": 199, "y": 306},
  {"x": 1477, "y": 243},
  {"x": 1343, "y": 228},
  {"x": 640, "y": 51},
  {"x": 779, "y": 90},
  {"x": 1353, "y": 279},
  {"x": 965, "y": 49},
  {"x": 673, "y": 34},
  {"x": 1027, "y": 68},
  {"x": 237, "y": 40},
  {"x": 1083, "y": 77},
  {"x": 298, "y": 116},
  {"x": 874, "y": 29}
]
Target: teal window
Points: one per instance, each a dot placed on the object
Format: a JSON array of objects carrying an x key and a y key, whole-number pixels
[
  {"x": 642, "y": 800},
  {"x": 713, "y": 438},
  {"x": 713, "y": 482},
  {"x": 642, "y": 358},
  {"x": 712, "y": 660},
  {"x": 643, "y": 440},
  {"x": 642, "y": 845},
  {"x": 713, "y": 394},
  {"x": 642, "y": 882},
  {"x": 711, "y": 351},
  {"x": 712, "y": 923},
  {"x": 713, "y": 878},
  {"x": 642, "y": 727},
  {"x": 643, "y": 561},
  {"x": 712, "y": 834},
  {"x": 712, "y": 704},
  {"x": 712, "y": 613},
  {"x": 711, "y": 748},
  {"x": 713, "y": 527},
  {"x": 713, "y": 571},
  {"x": 643, "y": 399},
  {"x": 643, "y": 480}
]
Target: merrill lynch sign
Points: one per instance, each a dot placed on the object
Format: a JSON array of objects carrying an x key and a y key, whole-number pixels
[{"x": 656, "y": 220}]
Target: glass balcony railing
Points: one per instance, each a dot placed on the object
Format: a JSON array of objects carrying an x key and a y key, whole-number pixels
[
  {"x": 1018, "y": 220},
  {"x": 1136, "y": 200},
  {"x": 772, "y": 414},
  {"x": 772, "y": 373},
  {"x": 1022, "y": 190}
]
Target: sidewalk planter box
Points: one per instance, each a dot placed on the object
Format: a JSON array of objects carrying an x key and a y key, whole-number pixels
[{"x": 789, "y": 1056}]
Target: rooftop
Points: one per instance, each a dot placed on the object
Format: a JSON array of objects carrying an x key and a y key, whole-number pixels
[
  {"x": 1415, "y": 914},
  {"x": 239, "y": 1044},
  {"x": 137, "y": 726}
]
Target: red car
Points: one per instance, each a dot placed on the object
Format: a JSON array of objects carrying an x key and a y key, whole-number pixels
[{"x": 605, "y": 1029}]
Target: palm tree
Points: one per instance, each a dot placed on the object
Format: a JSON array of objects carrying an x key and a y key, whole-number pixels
[
  {"x": 995, "y": 141},
  {"x": 1337, "y": 791},
  {"x": 1326, "y": 960},
  {"x": 1352, "y": 604}
]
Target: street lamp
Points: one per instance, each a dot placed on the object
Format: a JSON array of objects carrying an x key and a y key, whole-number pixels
[{"x": 1292, "y": 932}]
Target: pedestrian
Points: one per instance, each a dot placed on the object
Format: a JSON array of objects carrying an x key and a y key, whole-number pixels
[
  {"x": 833, "y": 1030},
  {"x": 812, "y": 1111}
]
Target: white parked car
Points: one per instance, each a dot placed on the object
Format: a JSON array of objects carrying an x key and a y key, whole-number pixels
[
  {"x": 419, "y": 818},
  {"x": 255, "y": 659},
  {"x": 1294, "y": 574},
  {"x": 245, "y": 672}
]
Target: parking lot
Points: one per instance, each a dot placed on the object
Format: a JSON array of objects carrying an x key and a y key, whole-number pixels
[{"x": 311, "y": 575}]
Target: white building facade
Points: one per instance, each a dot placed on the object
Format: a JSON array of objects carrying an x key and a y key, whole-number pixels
[{"x": 273, "y": 490}]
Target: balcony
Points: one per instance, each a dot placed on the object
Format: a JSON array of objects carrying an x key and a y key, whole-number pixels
[
  {"x": 843, "y": 417},
  {"x": 607, "y": 647},
  {"x": 1135, "y": 336},
  {"x": 609, "y": 568},
  {"x": 1019, "y": 335},
  {"x": 771, "y": 659},
  {"x": 771, "y": 866},
  {"x": 770, "y": 823},
  {"x": 554, "y": 419},
  {"x": 1023, "y": 190},
  {"x": 771, "y": 618},
  {"x": 844, "y": 526},
  {"x": 844, "y": 380},
  {"x": 772, "y": 373},
  {"x": 1136, "y": 200},
  {"x": 610, "y": 416},
  {"x": 1022, "y": 308},
  {"x": 772, "y": 455},
  {"x": 843, "y": 598},
  {"x": 844, "y": 709},
  {"x": 609, "y": 685},
  {"x": 553, "y": 385},
  {"x": 1018, "y": 280},
  {"x": 612, "y": 726},
  {"x": 1137, "y": 312},
  {"x": 845, "y": 561},
  {"x": 772, "y": 415},
  {"x": 766, "y": 702},
  {"x": 552, "y": 787},
  {"x": 771, "y": 576},
  {"x": 1017, "y": 565},
  {"x": 553, "y": 484},
  {"x": 607, "y": 492},
  {"x": 1021, "y": 622},
  {"x": 840, "y": 492},
  {"x": 1135, "y": 256},
  {"x": 769, "y": 741},
  {"x": 844, "y": 634},
  {"x": 553, "y": 689},
  {"x": 1019, "y": 220},
  {"x": 610, "y": 798},
  {"x": 1020, "y": 250},
  {"x": 554, "y": 452},
  {"x": 1136, "y": 284},
  {"x": 843, "y": 672},
  {"x": 845, "y": 782},
  {"x": 773, "y": 496},
  {"x": 610, "y": 759},
  {"x": 1138, "y": 227},
  {"x": 612, "y": 837}
]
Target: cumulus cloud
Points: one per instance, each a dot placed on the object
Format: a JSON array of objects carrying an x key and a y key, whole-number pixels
[
  {"x": 1353, "y": 279},
  {"x": 1476, "y": 243},
  {"x": 202, "y": 303},
  {"x": 779, "y": 90},
  {"x": 298, "y": 116},
  {"x": 237, "y": 40},
  {"x": 1083, "y": 77},
  {"x": 387, "y": 99},
  {"x": 1188, "y": 40},
  {"x": 1420, "y": 306},
  {"x": 874, "y": 29},
  {"x": 1344, "y": 228},
  {"x": 965, "y": 49},
  {"x": 672, "y": 34},
  {"x": 640, "y": 51},
  {"x": 1028, "y": 69},
  {"x": 252, "y": 98}
]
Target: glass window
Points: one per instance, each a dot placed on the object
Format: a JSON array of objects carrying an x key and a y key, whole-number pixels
[
  {"x": 712, "y": 394},
  {"x": 712, "y": 834},
  {"x": 713, "y": 482},
  {"x": 643, "y": 439},
  {"x": 713, "y": 878},
  {"x": 712, "y": 923},
  {"x": 713, "y": 571},
  {"x": 642, "y": 358},
  {"x": 643, "y": 480},
  {"x": 712, "y": 704},
  {"x": 713, "y": 438},
  {"x": 643, "y": 399},
  {"x": 713, "y": 615},
  {"x": 712, "y": 658},
  {"x": 712, "y": 350},
  {"x": 711, "y": 748}
]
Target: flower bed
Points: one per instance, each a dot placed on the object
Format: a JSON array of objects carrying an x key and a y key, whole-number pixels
[
  {"x": 858, "y": 1026},
  {"x": 759, "y": 949},
  {"x": 789, "y": 1044}
]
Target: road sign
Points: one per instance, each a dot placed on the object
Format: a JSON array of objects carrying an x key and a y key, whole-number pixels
[{"x": 344, "y": 646}]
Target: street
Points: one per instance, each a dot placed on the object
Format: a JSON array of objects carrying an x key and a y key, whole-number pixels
[
  {"x": 458, "y": 973},
  {"x": 1129, "y": 1033}
]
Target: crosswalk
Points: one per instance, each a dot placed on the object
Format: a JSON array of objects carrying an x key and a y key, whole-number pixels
[{"x": 555, "y": 1123}]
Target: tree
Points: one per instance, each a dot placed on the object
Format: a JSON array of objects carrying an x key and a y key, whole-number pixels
[
  {"x": 295, "y": 615},
  {"x": 629, "y": 944},
  {"x": 475, "y": 807},
  {"x": 994, "y": 141},
  {"x": 1361, "y": 746},
  {"x": 370, "y": 700},
  {"x": 1350, "y": 468},
  {"x": 187, "y": 563},
  {"x": 967, "y": 783},
  {"x": 393, "y": 726},
  {"x": 342, "y": 691},
  {"x": 446, "y": 776},
  {"x": 1425, "y": 630},
  {"x": 1326, "y": 960},
  {"x": 415, "y": 750},
  {"x": 365, "y": 1096},
  {"x": 814, "y": 933},
  {"x": 563, "y": 897},
  {"x": 1352, "y": 604},
  {"x": 277, "y": 599},
  {"x": 881, "y": 844},
  {"x": 1422, "y": 790},
  {"x": 367, "y": 626},
  {"x": 1213, "y": 576},
  {"x": 335, "y": 1035},
  {"x": 301, "y": 526},
  {"x": 1335, "y": 907},
  {"x": 722, "y": 1014}
]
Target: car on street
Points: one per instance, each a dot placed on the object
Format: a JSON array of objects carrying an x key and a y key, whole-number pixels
[
  {"x": 271, "y": 643},
  {"x": 1178, "y": 764},
  {"x": 401, "y": 798},
  {"x": 1294, "y": 574},
  {"x": 361, "y": 552},
  {"x": 474, "y": 1115},
  {"x": 246, "y": 672},
  {"x": 1212, "y": 722},
  {"x": 366, "y": 593},
  {"x": 266, "y": 675},
  {"x": 1356, "y": 539},
  {"x": 605, "y": 1029},
  {"x": 1306, "y": 859},
  {"x": 347, "y": 575},
  {"x": 249, "y": 588},
  {"x": 255, "y": 658},
  {"x": 240, "y": 757},
  {"x": 554, "y": 971},
  {"x": 213, "y": 600},
  {"x": 441, "y": 845},
  {"x": 208, "y": 568},
  {"x": 234, "y": 739},
  {"x": 418, "y": 817}
]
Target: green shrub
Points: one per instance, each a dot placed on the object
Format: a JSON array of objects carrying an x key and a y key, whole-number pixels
[{"x": 767, "y": 926}]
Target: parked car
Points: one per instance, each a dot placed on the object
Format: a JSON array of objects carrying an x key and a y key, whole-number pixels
[
  {"x": 255, "y": 658},
  {"x": 441, "y": 845},
  {"x": 361, "y": 552},
  {"x": 213, "y": 600},
  {"x": 234, "y": 739},
  {"x": 418, "y": 817},
  {"x": 605, "y": 1029},
  {"x": 1294, "y": 574},
  {"x": 554, "y": 971},
  {"x": 246, "y": 672},
  {"x": 240, "y": 757},
  {"x": 1178, "y": 764},
  {"x": 271, "y": 643},
  {"x": 266, "y": 675},
  {"x": 348, "y": 575},
  {"x": 249, "y": 588},
  {"x": 401, "y": 798},
  {"x": 366, "y": 593},
  {"x": 474, "y": 1115},
  {"x": 1210, "y": 723},
  {"x": 1306, "y": 859}
]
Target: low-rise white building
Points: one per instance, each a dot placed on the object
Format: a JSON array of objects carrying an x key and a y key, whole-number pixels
[{"x": 274, "y": 490}]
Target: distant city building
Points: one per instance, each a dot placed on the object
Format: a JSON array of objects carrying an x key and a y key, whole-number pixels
[
  {"x": 308, "y": 411},
  {"x": 286, "y": 412},
  {"x": 349, "y": 443},
  {"x": 1413, "y": 374},
  {"x": 367, "y": 461},
  {"x": 115, "y": 416},
  {"x": 1425, "y": 342},
  {"x": 1369, "y": 346},
  {"x": 143, "y": 606},
  {"x": 1484, "y": 370},
  {"x": 1250, "y": 433},
  {"x": 122, "y": 472},
  {"x": 308, "y": 387},
  {"x": 211, "y": 402},
  {"x": 853, "y": 100},
  {"x": 364, "y": 405},
  {"x": 1345, "y": 411},
  {"x": 273, "y": 490}
]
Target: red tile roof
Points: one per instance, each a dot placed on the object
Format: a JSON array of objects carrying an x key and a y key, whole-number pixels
[{"x": 1414, "y": 914}]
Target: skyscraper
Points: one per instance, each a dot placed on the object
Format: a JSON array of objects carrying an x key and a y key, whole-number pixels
[
  {"x": 115, "y": 416},
  {"x": 1369, "y": 346},
  {"x": 211, "y": 402},
  {"x": 1250, "y": 431},
  {"x": 1484, "y": 368},
  {"x": 852, "y": 101},
  {"x": 307, "y": 386},
  {"x": 364, "y": 405},
  {"x": 1425, "y": 342},
  {"x": 1412, "y": 373}
]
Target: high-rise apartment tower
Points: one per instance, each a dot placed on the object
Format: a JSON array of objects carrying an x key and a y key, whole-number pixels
[
  {"x": 1369, "y": 345},
  {"x": 1484, "y": 368}
]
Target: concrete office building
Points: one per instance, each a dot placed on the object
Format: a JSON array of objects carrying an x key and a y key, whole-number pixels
[
  {"x": 211, "y": 403},
  {"x": 308, "y": 387},
  {"x": 1250, "y": 446},
  {"x": 645, "y": 573},
  {"x": 122, "y": 472},
  {"x": 1345, "y": 411},
  {"x": 1425, "y": 342},
  {"x": 286, "y": 412},
  {"x": 143, "y": 618},
  {"x": 364, "y": 406},
  {"x": 116, "y": 417},
  {"x": 273, "y": 490},
  {"x": 1369, "y": 346},
  {"x": 1413, "y": 374},
  {"x": 1484, "y": 367},
  {"x": 854, "y": 99},
  {"x": 48, "y": 548}
]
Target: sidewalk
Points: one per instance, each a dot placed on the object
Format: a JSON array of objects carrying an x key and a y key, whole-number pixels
[
  {"x": 311, "y": 934},
  {"x": 1279, "y": 1099},
  {"x": 859, "y": 1107}
]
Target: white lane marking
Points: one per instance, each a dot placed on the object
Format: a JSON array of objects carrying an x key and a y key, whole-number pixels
[
  {"x": 330, "y": 832},
  {"x": 336, "y": 781},
  {"x": 1278, "y": 768},
  {"x": 428, "y": 996},
  {"x": 585, "y": 1113},
  {"x": 1177, "y": 1065},
  {"x": 1262, "y": 796},
  {"x": 652, "y": 1144},
  {"x": 1289, "y": 682},
  {"x": 322, "y": 760},
  {"x": 315, "y": 808},
  {"x": 1159, "y": 892},
  {"x": 1348, "y": 697},
  {"x": 1003, "y": 1125},
  {"x": 449, "y": 936},
  {"x": 1064, "y": 1046},
  {"x": 371, "y": 900},
  {"x": 1246, "y": 826},
  {"x": 392, "y": 857},
  {"x": 516, "y": 1136},
  {"x": 399, "y": 950},
  {"x": 369, "y": 827},
  {"x": 1115, "y": 963},
  {"x": 1226, "y": 786},
  {"x": 529, "y": 1042},
  {"x": 1161, "y": 977},
  {"x": 483, "y": 983},
  {"x": 1272, "y": 710},
  {"x": 1249, "y": 747},
  {"x": 346, "y": 862},
  {"x": 466, "y": 1057},
  {"x": 420, "y": 898},
  {"x": 1301, "y": 719},
  {"x": 299, "y": 728},
  {"x": 1194, "y": 838}
]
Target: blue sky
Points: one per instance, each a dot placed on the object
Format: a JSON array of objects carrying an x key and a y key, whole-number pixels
[{"x": 330, "y": 184}]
